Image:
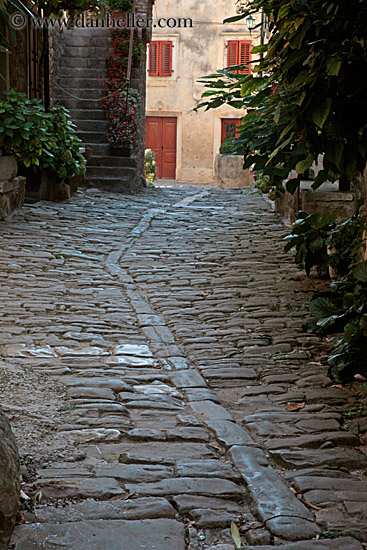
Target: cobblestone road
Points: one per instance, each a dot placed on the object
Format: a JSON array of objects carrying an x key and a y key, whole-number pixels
[{"x": 174, "y": 321}]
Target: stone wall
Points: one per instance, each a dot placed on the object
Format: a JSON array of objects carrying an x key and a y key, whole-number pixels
[
  {"x": 229, "y": 172},
  {"x": 143, "y": 9},
  {"x": 54, "y": 43},
  {"x": 11, "y": 196},
  {"x": 9, "y": 481},
  {"x": 327, "y": 197}
]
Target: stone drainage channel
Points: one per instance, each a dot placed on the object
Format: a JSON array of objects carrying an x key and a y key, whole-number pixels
[{"x": 166, "y": 460}]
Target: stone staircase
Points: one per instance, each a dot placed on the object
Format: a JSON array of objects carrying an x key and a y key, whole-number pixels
[{"x": 81, "y": 69}]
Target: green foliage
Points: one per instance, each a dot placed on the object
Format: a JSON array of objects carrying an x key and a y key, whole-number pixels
[
  {"x": 40, "y": 140},
  {"x": 343, "y": 309},
  {"x": 263, "y": 183},
  {"x": 307, "y": 94},
  {"x": 61, "y": 154},
  {"x": 344, "y": 241},
  {"x": 309, "y": 236},
  {"x": 117, "y": 5},
  {"x": 7, "y": 33},
  {"x": 24, "y": 127},
  {"x": 150, "y": 165},
  {"x": 227, "y": 147}
]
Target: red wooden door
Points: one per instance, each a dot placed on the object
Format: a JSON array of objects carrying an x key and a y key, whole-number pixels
[{"x": 161, "y": 138}]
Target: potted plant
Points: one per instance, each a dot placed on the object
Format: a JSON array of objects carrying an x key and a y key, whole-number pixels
[
  {"x": 24, "y": 127},
  {"x": 121, "y": 113},
  {"x": 61, "y": 159},
  {"x": 150, "y": 165}
]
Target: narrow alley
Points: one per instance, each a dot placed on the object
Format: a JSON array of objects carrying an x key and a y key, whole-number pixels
[{"x": 160, "y": 384}]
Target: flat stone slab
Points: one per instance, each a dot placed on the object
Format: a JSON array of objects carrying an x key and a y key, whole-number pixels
[
  {"x": 99, "y": 488},
  {"x": 185, "y": 503},
  {"x": 271, "y": 497},
  {"x": 140, "y": 508},
  {"x": 159, "y": 534},
  {"x": 129, "y": 361},
  {"x": 307, "y": 458},
  {"x": 206, "y": 468},
  {"x": 230, "y": 433},
  {"x": 210, "y": 410},
  {"x": 114, "y": 384},
  {"x": 341, "y": 543},
  {"x": 138, "y": 473},
  {"x": 188, "y": 485},
  {"x": 139, "y": 350},
  {"x": 311, "y": 441},
  {"x": 230, "y": 374},
  {"x": 189, "y": 378}
]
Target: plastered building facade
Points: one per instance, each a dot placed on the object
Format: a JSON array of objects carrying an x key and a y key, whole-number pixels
[{"x": 186, "y": 141}]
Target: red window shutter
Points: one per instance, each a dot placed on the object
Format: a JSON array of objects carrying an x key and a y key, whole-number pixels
[
  {"x": 165, "y": 66},
  {"x": 244, "y": 57},
  {"x": 153, "y": 58},
  {"x": 232, "y": 53}
]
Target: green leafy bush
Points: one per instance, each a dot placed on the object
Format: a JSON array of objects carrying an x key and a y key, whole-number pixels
[
  {"x": 227, "y": 147},
  {"x": 344, "y": 309},
  {"x": 344, "y": 242},
  {"x": 61, "y": 155},
  {"x": 150, "y": 165},
  {"x": 116, "y": 5},
  {"x": 309, "y": 236},
  {"x": 24, "y": 127}
]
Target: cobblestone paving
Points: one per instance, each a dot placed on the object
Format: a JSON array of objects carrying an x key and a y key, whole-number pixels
[{"x": 194, "y": 397}]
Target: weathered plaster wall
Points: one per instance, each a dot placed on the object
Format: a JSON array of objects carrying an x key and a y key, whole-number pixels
[{"x": 197, "y": 52}]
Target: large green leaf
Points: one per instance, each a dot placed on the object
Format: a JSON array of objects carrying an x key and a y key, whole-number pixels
[
  {"x": 328, "y": 217},
  {"x": 321, "y": 112},
  {"x": 305, "y": 164},
  {"x": 333, "y": 66},
  {"x": 251, "y": 84}
]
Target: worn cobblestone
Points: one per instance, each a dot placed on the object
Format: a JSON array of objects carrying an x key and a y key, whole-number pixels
[{"x": 173, "y": 321}]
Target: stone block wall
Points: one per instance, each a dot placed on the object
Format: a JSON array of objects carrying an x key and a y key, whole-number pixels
[
  {"x": 11, "y": 196},
  {"x": 9, "y": 481},
  {"x": 327, "y": 197},
  {"x": 143, "y": 9},
  {"x": 229, "y": 172}
]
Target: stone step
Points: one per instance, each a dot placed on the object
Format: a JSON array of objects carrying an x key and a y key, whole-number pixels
[
  {"x": 99, "y": 126},
  {"x": 83, "y": 82},
  {"x": 76, "y": 40},
  {"x": 82, "y": 72},
  {"x": 86, "y": 33},
  {"x": 83, "y": 62},
  {"x": 104, "y": 160},
  {"x": 76, "y": 52},
  {"x": 93, "y": 137},
  {"x": 113, "y": 185},
  {"x": 97, "y": 149},
  {"x": 89, "y": 115},
  {"x": 110, "y": 172},
  {"x": 92, "y": 93},
  {"x": 79, "y": 104}
]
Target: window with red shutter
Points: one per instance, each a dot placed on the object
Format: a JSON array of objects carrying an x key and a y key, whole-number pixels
[
  {"x": 153, "y": 58},
  {"x": 160, "y": 58},
  {"x": 239, "y": 53},
  {"x": 244, "y": 55},
  {"x": 232, "y": 53}
]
